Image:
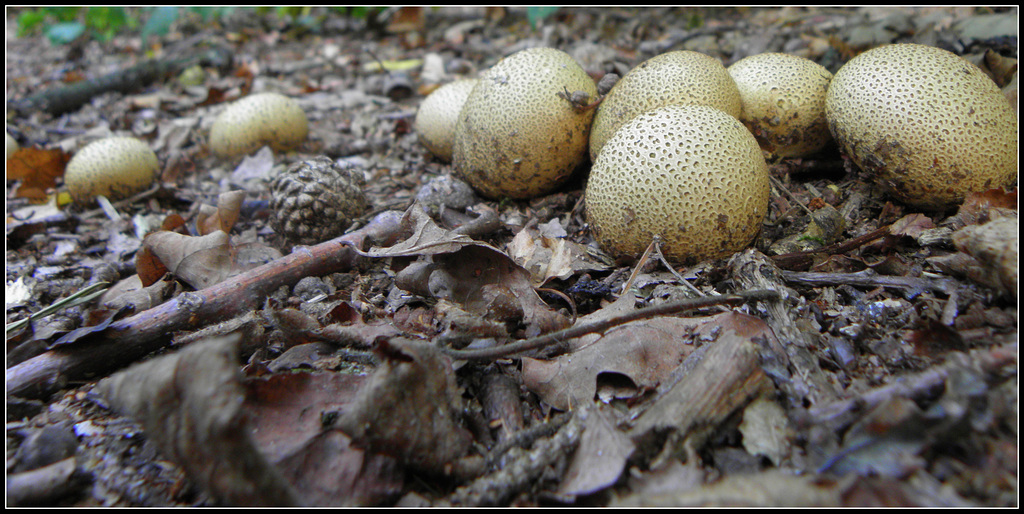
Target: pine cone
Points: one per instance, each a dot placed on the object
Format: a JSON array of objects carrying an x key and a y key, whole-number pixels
[{"x": 315, "y": 200}]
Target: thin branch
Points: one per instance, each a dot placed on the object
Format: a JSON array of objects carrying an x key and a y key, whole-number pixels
[
  {"x": 602, "y": 325},
  {"x": 130, "y": 339}
]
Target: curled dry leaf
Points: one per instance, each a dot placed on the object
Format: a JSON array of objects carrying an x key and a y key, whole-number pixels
[
  {"x": 288, "y": 412},
  {"x": 37, "y": 169},
  {"x": 199, "y": 261},
  {"x": 410, "y": 408},
  {"x": 190, "y": 405},
  {"x": 480, "y": 278},
  {"x": 646, "y": 352},
  {"x": 547, "y": 256}
]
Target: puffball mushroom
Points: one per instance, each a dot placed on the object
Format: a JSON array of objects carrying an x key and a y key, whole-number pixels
[
  {"x": 930, "y": 126},
  {"x": 262, "y": 119},
  {"x": 11, "y": 146},
  {"x": 690, "y": 175},
  {"x": 673, "y": 78},
  {"x": 519, "y": 136},
  {"x": 437, "y": 115},
  {"x": 783, "y": 99},
  {"x": 115, "y": 167}
]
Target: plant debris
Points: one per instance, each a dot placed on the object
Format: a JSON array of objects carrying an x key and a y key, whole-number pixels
[{"x": 173, "y": 349}]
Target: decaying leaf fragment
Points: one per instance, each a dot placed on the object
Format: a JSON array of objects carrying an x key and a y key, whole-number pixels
[
  {"x": 410, "y": 408},
  {"x": 996, "y": 246},
  {"x": 478, "y": 277},
  {"x": 727, "y": 377},
  {"x": 190, "y": 404},
  {"x": 644, "y": 351}
]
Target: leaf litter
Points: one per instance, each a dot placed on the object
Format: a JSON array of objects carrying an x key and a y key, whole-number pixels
[{"x": 872, "y": 378}]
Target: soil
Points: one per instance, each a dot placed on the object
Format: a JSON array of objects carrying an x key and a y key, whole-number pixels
[{"x": 859, "y": 353}]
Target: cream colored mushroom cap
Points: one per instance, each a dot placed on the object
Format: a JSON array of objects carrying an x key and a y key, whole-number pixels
[
  {"x": 673, "y": 78},
  {"x": 691, "y": 175},
  {"x": 517, "y": 136},
  {"x": 437, "y": 115},
  {"x": 262, "y": 119},
  {"x": 783, "y": 100},
  {"x": 115, "y": 167},
  {"x": 928, "y": 124}
]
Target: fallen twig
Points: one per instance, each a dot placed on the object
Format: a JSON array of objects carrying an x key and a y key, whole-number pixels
[
  {"x": 913, "y": 285},
  {"x": 130, "y": 339},
  {"x": 602, "y": 325},
  {"x": 804, "y": 259}
]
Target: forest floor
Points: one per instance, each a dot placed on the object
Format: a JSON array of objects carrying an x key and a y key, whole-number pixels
[{"x": 882, "y": 371}]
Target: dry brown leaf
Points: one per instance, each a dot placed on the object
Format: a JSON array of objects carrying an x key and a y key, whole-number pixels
[
  {"x": 480, "y": 278},
  {"x": 600, "y": 457},
  {"x": 190, "y": 404},
  {"x": 38, "y": 170},
  {"x": 410, "y": 408},
  {"x": 548, "y": 256},
  {"x": 288, "y": 412},
  {"x": 646, "y": 352},
  {"x": 198, "y": 261},
  {"x": 222, "y": 217}
]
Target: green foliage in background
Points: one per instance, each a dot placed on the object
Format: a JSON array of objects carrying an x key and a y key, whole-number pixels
[
  {"x": 536, "y": 14},
  {"x": 61, "y": 25},
  {"x": 64, "y": 24}
]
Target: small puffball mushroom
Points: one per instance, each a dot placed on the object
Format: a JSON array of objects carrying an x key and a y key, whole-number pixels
[
  {"x": 783, "y": 102},
  {"x": 115, "y": 167},
  {"x": 436, "y": 117},
  {"x": 519, "y": 134},
  {"x": 12, "y": 146},
  {"x": 673, "y": 78},
  {"x": 270, "y": 119},
  {"x": 690, "y": 175},
  {"x": 929, "y": 125}
]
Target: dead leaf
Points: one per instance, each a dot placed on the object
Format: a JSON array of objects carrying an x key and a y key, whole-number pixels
[
  {"x": 222, "y": 217},
  {"x": 38, "y": 171},
  {"x": 547, "y": 255},
  {"x": 646, "y": 352},
  {"x": 480, "y": 278},
  {"x": 198, "y": 261},
  {"x": 600, "y": 457},
  {"x": 190, "y": 404},
  {"x": 410, "y": 408},
  {"x": 719, "y": 378},
  {"x": 288, "y": 417},
  {"x": 911, "y": 225},
  {"x": 996, "y": 246},
  {"x": 983, "y": 206},
  {"x": 421, "y": 236}
]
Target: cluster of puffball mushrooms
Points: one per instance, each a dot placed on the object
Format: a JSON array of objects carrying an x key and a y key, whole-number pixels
[{"x": 677, "y": 146}]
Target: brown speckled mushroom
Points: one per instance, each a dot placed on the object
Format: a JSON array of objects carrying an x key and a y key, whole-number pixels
[
  {"x": 783, "y": 102},
  {"x": 673, "y": 78},
  {"x": 691, "y": 175},
  {"x": 518, "y": 136},
  {"x": 928, "y": 124},
  {"x": 262, "y": 119},
  {"x": 115, "y": 167},
  {"x": 437, "y": 115}
]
